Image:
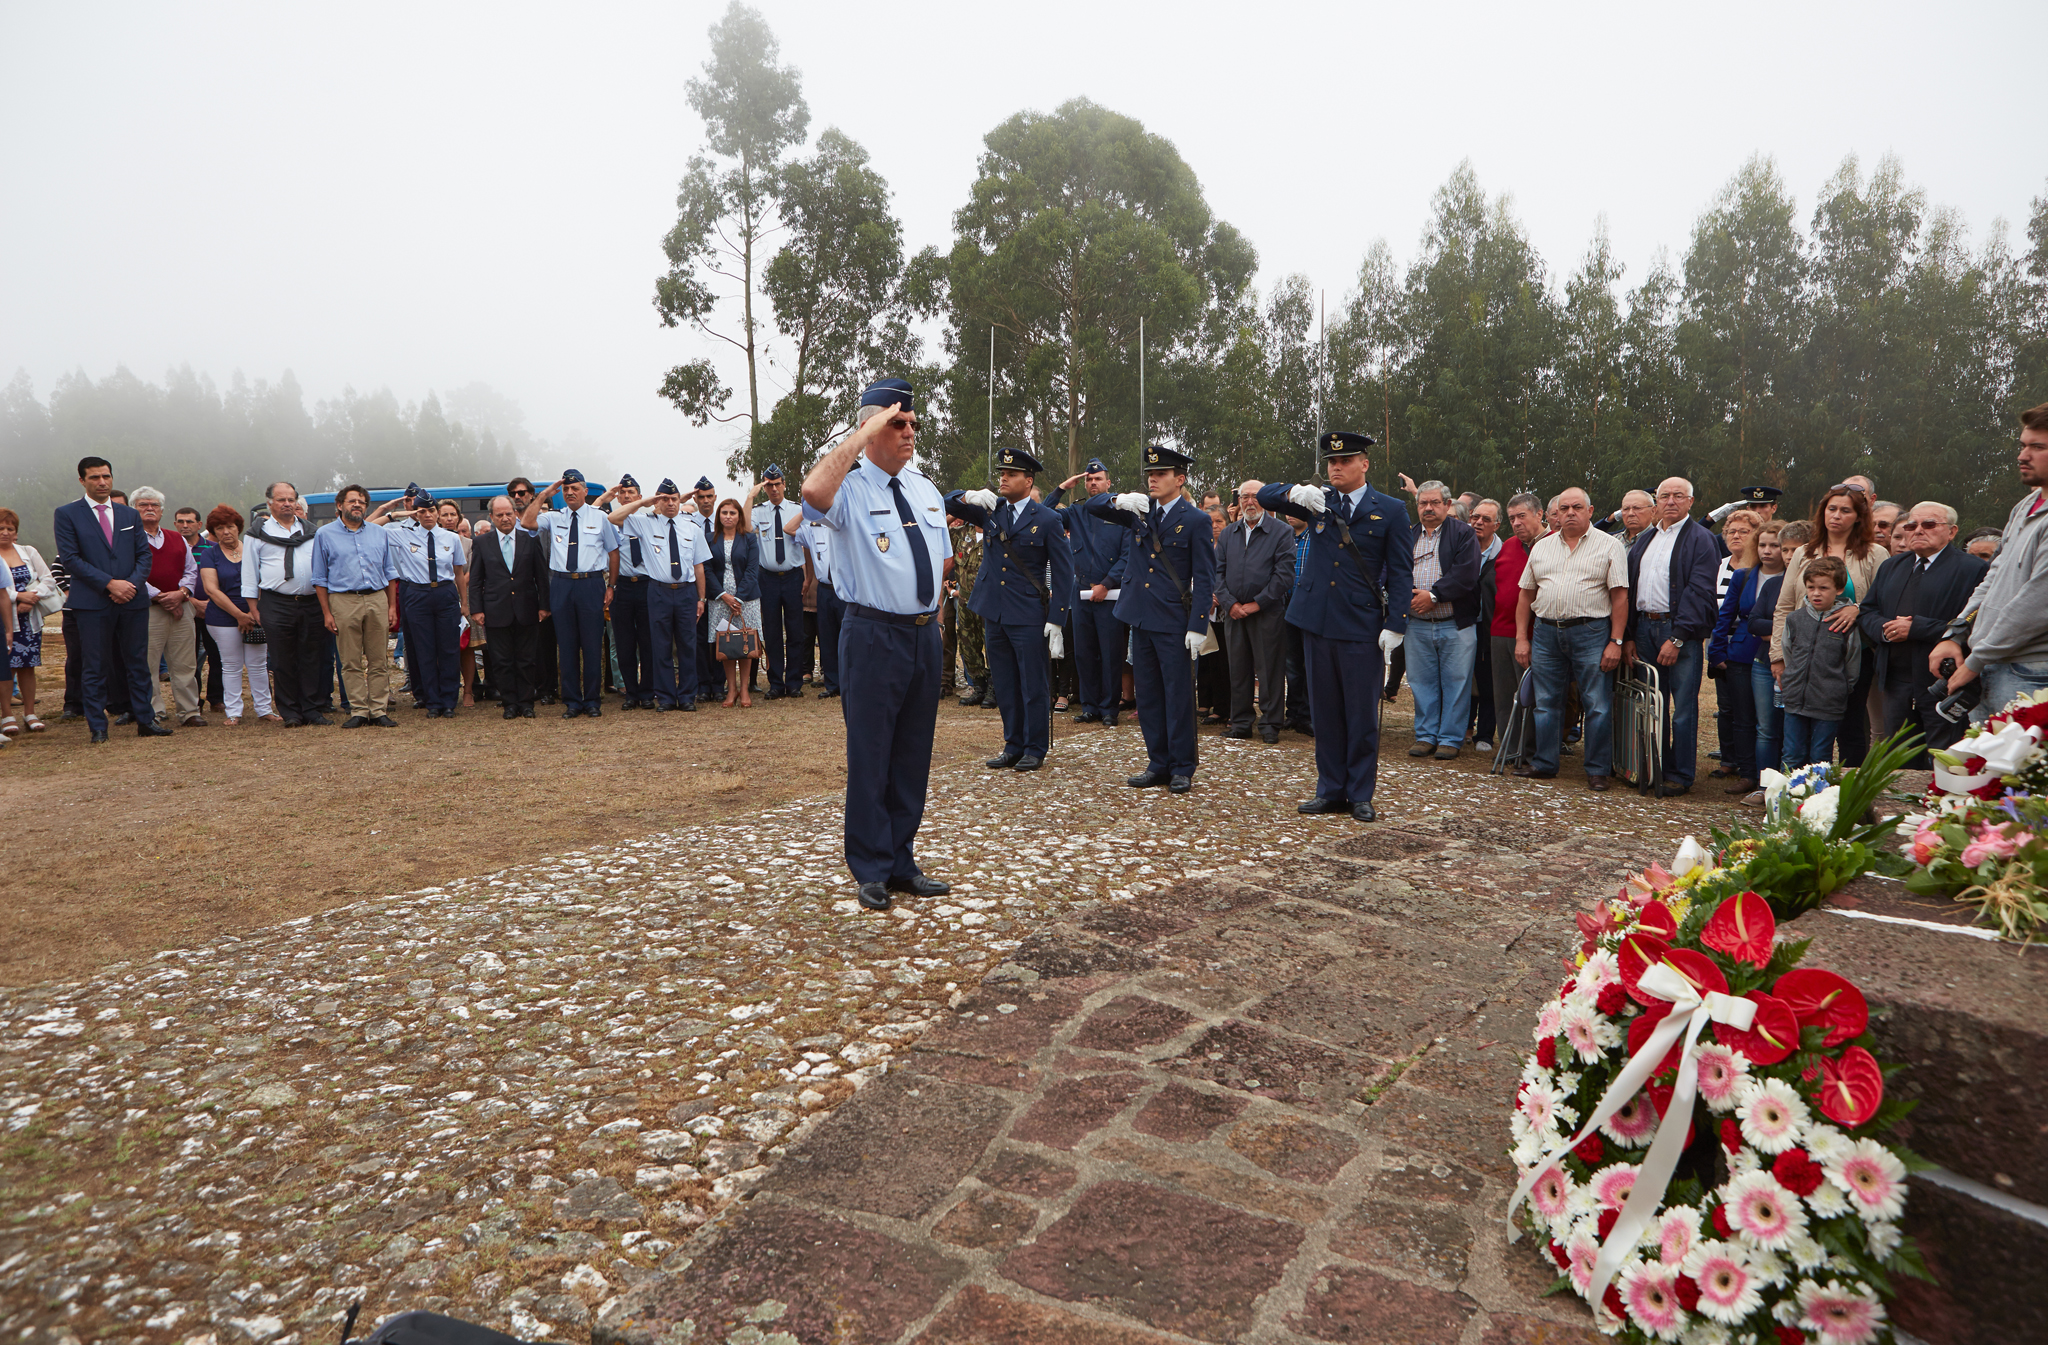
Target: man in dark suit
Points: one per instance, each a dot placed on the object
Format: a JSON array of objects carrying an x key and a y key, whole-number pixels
[
  {"x": 1671, "y": 573},
  {"x": 505, "y": 596},
  {"x": 1911, "y": 601},
  {"x": 101, "y": 546},
  {"x": 1254, "y": 580}
]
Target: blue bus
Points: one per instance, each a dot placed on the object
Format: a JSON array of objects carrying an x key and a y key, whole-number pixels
[{"x": 473, "y": 499}]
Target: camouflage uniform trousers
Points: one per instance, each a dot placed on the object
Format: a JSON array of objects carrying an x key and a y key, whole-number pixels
[{"x": 963, "y": 633}]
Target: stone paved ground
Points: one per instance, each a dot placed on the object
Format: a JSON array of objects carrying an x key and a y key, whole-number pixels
[{"x": 1275, "y": 1084}]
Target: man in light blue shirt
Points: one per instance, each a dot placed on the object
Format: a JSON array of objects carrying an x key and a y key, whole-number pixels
[
  {"x": 889, "y": 551},
  {"x": 583, "y": 558},
  {"x": 433, "y": 577},
  {"x": 816, "y": 540},
  {"x": 358, "y": 592},
  {"x": 632, "y": 640},
  {"x": 672, "y": 551},
  {"x": 783, "y": 577}
]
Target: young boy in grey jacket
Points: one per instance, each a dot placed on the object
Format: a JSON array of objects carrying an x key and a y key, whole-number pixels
[{"x": 1821, "y": 666}]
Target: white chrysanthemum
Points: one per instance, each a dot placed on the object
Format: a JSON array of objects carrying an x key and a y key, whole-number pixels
[
  {"x": 1828, "y": 1201},
  {"x": 1568, "y": 1082},
  {"x": 1771, "y": 1271},
  {"x": 1827, "y": 1144},
  {"x": 1746, "y": 1161},
  {"x": 1705, "y": 1333},
  {"x": 1785, "y": 1311},
  {"x": 1772, "y": 1116},
  {"x": 1872, "y": 1177},
  {"x": 1806, "y": 1253},
  {"x": 1528, "y": 1146},
  {"x": 1582, "y": 1204},
  {"x": 1536, "y": 1076},
  {"x": 1883, "y": 1238}
]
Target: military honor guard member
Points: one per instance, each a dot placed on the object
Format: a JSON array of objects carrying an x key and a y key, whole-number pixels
[
  {"x": 1169, "y": 582},
  {"x": 583, "y": 554},
  {"x": 1021, "y": 593},
  {"x": 432, "y": 583},
  {"x": 1360, "y": 549},
  {"x": 890, "y": 548},
  {"x": 669, "y": 547},
  {"x": 632, "y": 641},
  {"x": 1102, "y": 548},
  {"x": 783, "y": 578}
]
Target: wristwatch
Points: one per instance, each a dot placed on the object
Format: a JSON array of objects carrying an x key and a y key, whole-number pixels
[{"x": 1612, "y": 640}]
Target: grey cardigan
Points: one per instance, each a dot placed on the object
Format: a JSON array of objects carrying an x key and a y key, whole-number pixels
[{"x": 1821, "y": 667}]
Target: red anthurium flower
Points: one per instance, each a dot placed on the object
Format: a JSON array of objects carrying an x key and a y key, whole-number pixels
[
  {"x": 1742, "y": 927},
  {"x": 1773, "y": 1036},
  {"x": 1643, "y": 1024},
  {"x": 1697, "y": 968},
  {"x": 1851, "y": 1088},
  {"x": 1635, "y": 954},
  {"x": 1656, "y": 918},
  {"x": 1823, "y": 999},
  {"x": 1797, "y": 1172}
]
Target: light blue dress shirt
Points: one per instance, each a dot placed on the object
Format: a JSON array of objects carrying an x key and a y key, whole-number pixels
[
  {"x": 413, "y": 547},
  {"x": 871, "y": 559},
  {"x": 816, "y": 538},
  {"x": 653, "y": 531},
  {"x": 766, "y": 530},
  {"x": 596, "y": 539},
  {"x": 346, "y": 561}
]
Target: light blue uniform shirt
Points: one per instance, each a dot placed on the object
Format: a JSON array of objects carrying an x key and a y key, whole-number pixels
[
  {"x": 871, "y": 558},
  {"x": 816, "y": 538},
  {"x": 409, "y": 548},
  {"x": 350, "y": 562},
  {"x": 653, "y": 531},
  {"x": 766, "y": 531},
  {"x": 596, "y": 539}
]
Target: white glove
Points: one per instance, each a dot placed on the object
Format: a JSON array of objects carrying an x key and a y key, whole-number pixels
[
  {"x": 1309, "y": 498},
  {"x": 1134, "y": 502},
  {"x": 1195, "y": 643},
  {"x": 1390, "y": 640},
  {"x": 985, "y": 499},
  {"x": 1055, "y": 641}
]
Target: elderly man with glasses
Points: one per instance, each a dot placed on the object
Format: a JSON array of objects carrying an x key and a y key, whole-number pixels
[
  {"x": 1910, "y": 604},
  {"x": 1671, "y": 571}
]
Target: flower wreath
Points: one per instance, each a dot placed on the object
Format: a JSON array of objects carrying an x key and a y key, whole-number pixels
[{"x": 1783, "y": 1225}]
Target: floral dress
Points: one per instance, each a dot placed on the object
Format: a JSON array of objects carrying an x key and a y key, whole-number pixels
[{"x": 27, "y": 649}]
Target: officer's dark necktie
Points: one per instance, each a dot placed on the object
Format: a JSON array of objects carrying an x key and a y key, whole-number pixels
[
  {"x": 1005, "y": 515},
  {"x": 1344, "y": 507},
  {"x": 675, "y": 553},
  {"x": 1909, "y": 597},
  {"x": 919, "y": 556},
  {"x": 781, "y": 556},
  {"x": 638, "y": 564},
  {"x": 433, "y": 570},
  {"x": 572, "y": 541}
]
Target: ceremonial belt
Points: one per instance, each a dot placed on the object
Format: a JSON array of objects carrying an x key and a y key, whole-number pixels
[
  {"x": 1344, "y": 542},
  {"x": 1187, "y": 601},
  {"x": 893, "y": 618},
  {"x": 1044, "y": 593}
]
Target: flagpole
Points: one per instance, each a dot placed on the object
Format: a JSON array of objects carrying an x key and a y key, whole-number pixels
[
  {"x": 991, "y": 463},
  {"x": 1141, "y": 383}
]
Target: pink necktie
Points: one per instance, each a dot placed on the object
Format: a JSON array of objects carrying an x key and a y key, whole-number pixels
[{"x": 106, "y": 523}]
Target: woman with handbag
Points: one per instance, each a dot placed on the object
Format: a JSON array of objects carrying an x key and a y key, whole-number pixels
[
  {"x": 232, "y": 617},
  {"x": 733, "y": 574},
  {"x": 35, "y": 595}
]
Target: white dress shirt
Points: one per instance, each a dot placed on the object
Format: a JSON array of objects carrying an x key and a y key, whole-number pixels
[
  {"x": 1653, "y": 578},
  {"x": 189, "y": 581},
  {"x": 263, "y": 566}
]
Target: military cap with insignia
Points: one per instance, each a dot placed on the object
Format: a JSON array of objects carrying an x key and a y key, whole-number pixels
[
  {"x": 774, "y": 473},
  {"x": 423, "y": 500},
  {"x": 1158, "y": 456},
  {"x": 626, "y": 480},
  {"x": 1097, "y": 465},
  {"x": 704, "y": 483},
  {"x": 888, "y": 392},
  {"x": 1344, "y": 444},
  {"x": 667, "y": 487},
  {"x": 572, "y": 477},
  {"x": 1017, "y": 460},
  {"x": 1759, "y": 494}
]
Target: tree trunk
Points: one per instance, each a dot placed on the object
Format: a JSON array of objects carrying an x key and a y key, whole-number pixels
[{"x": 747, "y": 300}]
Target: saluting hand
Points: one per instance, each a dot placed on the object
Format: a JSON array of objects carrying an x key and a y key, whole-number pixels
[
  {"x": 1134, "y": 502},
  {"x": 1309, "y": 498}
]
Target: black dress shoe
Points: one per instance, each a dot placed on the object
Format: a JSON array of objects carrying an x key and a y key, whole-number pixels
[
  {"x": 1269, "y": 734},
  {"x": 1002, "y": 760},
  {"x": 917, "y": 885},
  {"x": 1531, "y": 773},
  {"x": 317, "y": 718},
  {"x": 68, "y": 716},
  {"x": 152, "y": 731},
  {"x": 1234, "y": 732},
  {"x": 1363, "y": 812},
  {"x": 1671, "y": 789},
  {"x": 1149, "y": 780},
  {"x": 387, "y": 722},
  {"x": 99, "y": 735},
  {"x": 688, "y": 707},
  {"x": 1109, "y": 721},
  {"x": 1088, "y": 717},
  {"x": 795, "y": 693},
  {"x": 1029, "y": 763},
  {"x": 291, "y": 722},
  {"x": 572, "y": 713},
  {"x": 123, "y": 719},
  {"x": 1306, "y": 730},
  {"x": 595, "y": 712},
  {"x": 1319, "y": 804},
  {"x": 548, "y": 699},
  {"x": 526, "y": 712},
  {"x": 828, "y": 693},
  {"x": 874, "y": 897},
  {"x": 354, "y": 722},
  {"x": 774, "y": 694},
  {"x": 508, "y": 713},
  {"x": 1180, "y": 784}
]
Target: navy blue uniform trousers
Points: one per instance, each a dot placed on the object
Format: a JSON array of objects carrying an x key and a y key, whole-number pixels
[
  {"x": 672, "y": 625},
  {"x": 1099, "y": 641},
  {"x": 889, "y": 681},
  {"x": 433, "y": 642},
  {"x": 710, "y": 672},
  {"x": 116, "y": 641},
  {"x": 1017, "y": 673},
  {"x": 632, "y": 638},
  {"x": 831, "y": 615},
  {"x": 577, "y": 606},
  {"x": 1344, "y": 682},
  {"x": 1164, "y": 677},
  {"x": 782, "y": 625}
]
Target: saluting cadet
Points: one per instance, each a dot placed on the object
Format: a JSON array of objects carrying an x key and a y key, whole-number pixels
[
  {"x": 889, "y": 526},
  {"x": 1102, "y": 548},
  {"x": 1169, "y": 582},
  {"x": 816, "y": 540},
  {"x": 671, "y": 551},
  {"x": 783, "y": 576},
  {"x": 710, "y": 672},
  {"x": 428, "y": 560},
  {"x": 1359, "y": 551},
  {"x": 631, "y": 640},
  {"x": 583, "y": 554},
  {"x": 1021, "y": 612}
]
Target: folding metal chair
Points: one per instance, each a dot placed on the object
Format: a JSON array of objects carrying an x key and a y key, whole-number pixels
[
  {"x": 1521, "y": 722},
  {"x": 1639, "y": 717}
]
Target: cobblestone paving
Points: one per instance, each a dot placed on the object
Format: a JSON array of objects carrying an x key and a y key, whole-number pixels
[{"x": 512, "y": 1098}]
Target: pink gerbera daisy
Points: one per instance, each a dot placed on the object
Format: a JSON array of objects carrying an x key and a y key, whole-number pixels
[
  {"x": 1720, "y": 1071},
  {"x": 1872, "y": 1177},
  {"x": 1839, "y": 1316},
  {"x": 1764, "y": 1212},
  {"x": 1650, "y": 1291},
  {"x": 1611, "y": 1185},
  {"x": 1582, "y": 1250},
  {"x": 1728, "y": 1287},
  {"x": 1633, "y": 1122},
  {"x": 1539, "y": 1105},
  {"x": 1676, "y": 1233},
  {"x": 1588, "y": 1033},
  {"x": 1772, "y": 1115},
  {"x": 1549, "y": 1020},
  {"x": 1551, "y": 1192}
]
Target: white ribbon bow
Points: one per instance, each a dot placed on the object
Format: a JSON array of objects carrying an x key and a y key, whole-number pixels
[
  {"x": 1689, "y": 1015},
  {"x": 2005, "y": 752}
]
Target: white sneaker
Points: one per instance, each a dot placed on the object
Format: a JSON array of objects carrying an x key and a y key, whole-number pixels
[{"x": 1483, "y": 746}]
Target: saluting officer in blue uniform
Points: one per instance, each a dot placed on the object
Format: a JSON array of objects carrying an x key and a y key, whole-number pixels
[
  {"x": 889, "y": 552},
  {"x": 632, "y": 638},
  {"x": 1021, "y": 611},
  {"x": 1169, "y": 581},
  {"x": 1102, "y": 548},
  {"x": 782, "y": 586},
  {"x": 1359, "y": 550},
  {"x": 583, "y": 555},
  {"x": 428, "y": 560},
  {"x": 671, "y": 551}
]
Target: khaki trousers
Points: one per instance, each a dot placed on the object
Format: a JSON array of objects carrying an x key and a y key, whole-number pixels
[
  {"x": 362, "y": 625},
  {"x": 173, "y": 642}
]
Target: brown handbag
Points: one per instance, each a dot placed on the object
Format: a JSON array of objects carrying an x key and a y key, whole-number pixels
[{"x": 739, "y": 644}]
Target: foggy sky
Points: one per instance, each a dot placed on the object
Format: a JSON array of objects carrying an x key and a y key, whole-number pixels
[{"x": 429, "y": 196}]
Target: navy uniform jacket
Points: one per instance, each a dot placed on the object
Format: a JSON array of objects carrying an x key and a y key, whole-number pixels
[
  {"x": 1186, "y": 562},
  {"x": 1102, "y": 546},
  {"x": 1333, "y": 599},
  {"x": 1004, "y": 587}
]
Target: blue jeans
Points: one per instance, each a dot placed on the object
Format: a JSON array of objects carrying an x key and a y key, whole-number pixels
[
  {"x": 2003, "y": 681},
  {"x": 1681, "y": 682},
  {"x": 1560, "y": 656},
  {"x": 1770, "y": 716},
  {"x": 1808, "y": 741},
  {"x": 1440, "y": 676}
]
